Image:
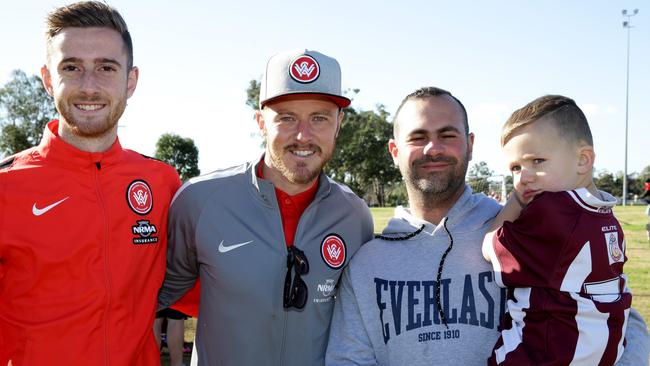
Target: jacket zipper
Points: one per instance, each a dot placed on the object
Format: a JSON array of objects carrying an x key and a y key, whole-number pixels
[
  {"x": 286, "y": 313},
  {"x": 107, "y": 280}
]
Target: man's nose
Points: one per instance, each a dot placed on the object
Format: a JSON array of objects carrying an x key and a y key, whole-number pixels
[
  {"x": 304, "y": 132},
  {"x": 89, "y": 82},
  {"x": 433, "y": 147}
]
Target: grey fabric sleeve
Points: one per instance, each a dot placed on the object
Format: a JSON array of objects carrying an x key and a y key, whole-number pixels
[
  {"x": 638, "y": 342},
  {"x": 349, "y": 343},
  {"x": 182, "y": 267}
]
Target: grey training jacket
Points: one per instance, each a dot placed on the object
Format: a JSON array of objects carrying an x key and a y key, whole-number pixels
[{"x": 226, "y": 228}]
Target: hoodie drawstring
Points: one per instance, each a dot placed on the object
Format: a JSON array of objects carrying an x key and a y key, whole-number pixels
[
  {"x": 399, "y": 238},
  {"x": 441, "y": 312}
]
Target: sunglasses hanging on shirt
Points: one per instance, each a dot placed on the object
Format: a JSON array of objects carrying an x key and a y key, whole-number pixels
[{"x": 295, "y": 292}]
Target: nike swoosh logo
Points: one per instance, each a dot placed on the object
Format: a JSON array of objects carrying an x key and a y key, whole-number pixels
[
  {"x": 225, "y": 249},
  {"x": 39, "y": 211}
]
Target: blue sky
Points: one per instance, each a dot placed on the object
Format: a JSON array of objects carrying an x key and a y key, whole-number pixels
[{"x": 197, "y": 57}]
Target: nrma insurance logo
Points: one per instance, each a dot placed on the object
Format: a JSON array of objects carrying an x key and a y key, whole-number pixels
[{"x": 144, "y": 231}]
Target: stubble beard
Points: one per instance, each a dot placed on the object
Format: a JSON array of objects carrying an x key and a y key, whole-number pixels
[
  {"x": 301, "y": 174},
  {"x": 436, "y": 188},
  {"x": 91, "y": 129}
]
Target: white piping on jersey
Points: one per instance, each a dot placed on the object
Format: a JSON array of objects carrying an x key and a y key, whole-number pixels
[
  {"x": 591, "y": 328},
  {"x": 513, "y": 337},
  {"x": 589, "y": 202},
  {"x": 578, "y": 271}
]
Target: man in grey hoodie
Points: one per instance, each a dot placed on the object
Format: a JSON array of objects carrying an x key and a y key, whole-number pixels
[{"x": 421, "y": 293}]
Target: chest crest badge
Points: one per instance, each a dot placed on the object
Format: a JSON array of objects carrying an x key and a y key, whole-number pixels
[
  {"x": 139, "y": 197},
  {"x": 333, "y": 251}
]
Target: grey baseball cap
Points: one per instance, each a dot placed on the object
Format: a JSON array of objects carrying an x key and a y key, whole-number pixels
[{"x": 298, "y": 72}]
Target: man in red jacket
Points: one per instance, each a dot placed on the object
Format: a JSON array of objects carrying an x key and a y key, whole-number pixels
[{"x": 83, "y": 221}]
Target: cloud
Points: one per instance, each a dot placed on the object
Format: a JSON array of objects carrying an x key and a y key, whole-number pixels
[{"x": 592, "y": 110}]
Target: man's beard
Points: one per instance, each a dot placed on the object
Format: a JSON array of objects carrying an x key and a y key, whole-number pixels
[
  {"x": 437, "y": 187},
  {"x": 92, "y": 129},
  {"x": 301, "y": 175}
]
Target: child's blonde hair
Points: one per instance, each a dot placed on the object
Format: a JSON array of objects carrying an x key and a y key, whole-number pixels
[{"x": 568, "y": 118}]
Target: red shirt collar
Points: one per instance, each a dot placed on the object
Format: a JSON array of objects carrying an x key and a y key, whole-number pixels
[
  {"x": 291, "y": 207},
  {"x": 53, "y": 147}
]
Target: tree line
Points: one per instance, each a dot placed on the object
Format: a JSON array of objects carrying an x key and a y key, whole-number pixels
[{"x": 361, "y": 159}]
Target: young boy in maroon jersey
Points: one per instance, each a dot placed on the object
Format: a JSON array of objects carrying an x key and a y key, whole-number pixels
[{"x": 557, "y": 245}]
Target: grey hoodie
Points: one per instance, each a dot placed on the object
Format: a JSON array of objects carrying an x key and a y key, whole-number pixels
[{"x": 386, "y": 312}]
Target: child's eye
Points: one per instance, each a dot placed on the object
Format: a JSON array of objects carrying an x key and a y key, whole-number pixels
[
  {"x": 515, "y": 168},
  {"x": 538, "y": 161}
]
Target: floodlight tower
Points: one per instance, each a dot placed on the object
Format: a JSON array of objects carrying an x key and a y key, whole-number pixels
[{"x": 628, "y": 25}]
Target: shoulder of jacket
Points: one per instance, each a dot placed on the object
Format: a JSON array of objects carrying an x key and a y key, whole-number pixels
[
  {"x": 220, "y": 175},
  {"x": 344, "y": 190},
  {"x": 7, "y": 162},
  {"x": 152, "y": 158},
  {"x": 343, "y": 194},
  {"x": 134, "y": 156},
  {"x": 211, "y": 181}
]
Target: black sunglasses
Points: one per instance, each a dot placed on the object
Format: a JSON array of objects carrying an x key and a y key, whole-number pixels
[{"x": 295, "y": 292}]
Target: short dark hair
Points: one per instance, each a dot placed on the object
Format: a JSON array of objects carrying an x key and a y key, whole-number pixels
[
  {"x": 428, "y": 92},
  {"x": 563, "y": 112},
  {"x": 86, "y": 14}
]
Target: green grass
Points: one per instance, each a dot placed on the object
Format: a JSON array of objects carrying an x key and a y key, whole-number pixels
[
  {"x": 637, "y": 268},
  {"x": 381, "y": 215}
]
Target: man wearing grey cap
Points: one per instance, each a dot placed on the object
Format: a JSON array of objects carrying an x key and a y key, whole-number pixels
[{"x": 269, "y": 239}]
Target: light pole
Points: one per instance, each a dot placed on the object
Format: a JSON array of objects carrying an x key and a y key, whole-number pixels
[{"x": 626, "y": 24}]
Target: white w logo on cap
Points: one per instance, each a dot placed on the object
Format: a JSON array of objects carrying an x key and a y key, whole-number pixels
[{"x": 304, "y": 68}]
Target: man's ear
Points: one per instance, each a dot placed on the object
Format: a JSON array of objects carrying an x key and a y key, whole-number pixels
[
  {"x": 259, "y": 117},
  {"x": 47, "y": 80},
  {"x": 132, "y": 81},
  {"x": 340, "y": 119},
  {"x": 470, "y": 145},
  {"x": 393, "y": 150},
  {"x": 586, "y": 159}
]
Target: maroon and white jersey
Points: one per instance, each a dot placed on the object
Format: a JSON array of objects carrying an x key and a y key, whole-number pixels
[{"x": 563, "y": 262}]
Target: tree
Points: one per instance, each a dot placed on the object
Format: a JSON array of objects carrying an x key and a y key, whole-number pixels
[
  {"x": 361, "y": 159},
  {"x": 477, "y": 177},
  {"x": 607, "y": 182},
  {"x": 253, "y": 94},
  {"x": 645, "y": 174},
  {"x": 179, "y": 152},
  {"x": 25, "y": 108}
]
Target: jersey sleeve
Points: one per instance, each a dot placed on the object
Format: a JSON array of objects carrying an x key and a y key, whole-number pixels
[{"x": 528, "y": 250}]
